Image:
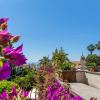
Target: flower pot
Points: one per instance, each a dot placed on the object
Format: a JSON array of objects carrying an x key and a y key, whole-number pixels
[
  {"x": 69, "y": 75},
  {"x": 91, "y": 69}
]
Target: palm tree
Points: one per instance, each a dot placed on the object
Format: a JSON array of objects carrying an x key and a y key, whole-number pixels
[
  {"x": 59, "y": 56},
  {"x": 98, "y": 46},
  {"x": 45, "y": 61},
  {"x": 55, "y": 57},
  {"x": 91, "y": 48}
]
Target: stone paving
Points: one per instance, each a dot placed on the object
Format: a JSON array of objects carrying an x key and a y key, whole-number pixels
[{"x": 85, "y": 91}]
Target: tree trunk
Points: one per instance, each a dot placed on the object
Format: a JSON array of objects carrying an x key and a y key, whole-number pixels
[{"x": 91, "y": 52}]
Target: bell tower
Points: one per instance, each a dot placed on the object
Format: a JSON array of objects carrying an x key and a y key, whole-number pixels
[{"x": 82, "y": 62}]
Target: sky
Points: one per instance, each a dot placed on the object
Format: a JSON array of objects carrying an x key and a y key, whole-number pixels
[{"x": 48, "y": 24}]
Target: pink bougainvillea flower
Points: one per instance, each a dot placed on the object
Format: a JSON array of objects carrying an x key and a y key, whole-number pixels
[
  {"x": 9, "y": 50},
  {"x": 4, "y": 95},
  {"x": 4, "y": 39},
  {"x": 19, "y": 49},
  {"x": 14, "y": 39},
  {"x": 14, "y": 93},
  {"x": 5, "y": 71},
  {"x": 24, "y": 93},
  {"x": 17, "y": 59},
  {"x": 3, "y": 23},
  {"x": 56, "y": 91},
  {"x": 15, "y": 55},
  {"x": 3, "y": 26},
  {"x": 3, "y": 20},
  {"x": 4, "y": 32}
]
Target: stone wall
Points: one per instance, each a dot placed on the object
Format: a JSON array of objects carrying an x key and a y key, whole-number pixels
[
  {"x": 90, "y": 78},
  {"x": 80, "y": 77},
  {"x": 93, "y": 79}
]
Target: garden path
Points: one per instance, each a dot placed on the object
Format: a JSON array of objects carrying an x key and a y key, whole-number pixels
[{"x": 85, "y": 91}]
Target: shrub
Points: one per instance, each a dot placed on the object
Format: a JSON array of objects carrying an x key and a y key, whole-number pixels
[
  {"x": 7, "y": 85},
  {"x": 23, "y": 83},
  {"x": 28, "y": 80},
  {"x": 93, "y": 59},
  {"x": 66, "y": 66},
  {"x": 98, "y": 61},
  {"x": 91, "y": 64},
  {"x": 26, "y": 71}
]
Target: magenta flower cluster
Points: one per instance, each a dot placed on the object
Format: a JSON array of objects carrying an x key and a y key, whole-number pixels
[
  {"x": 56, "y": 91},
  {"x": 14, "y": 95},
  {"x": 15, "y": 55},
  {"x": 8, "y": 55},
  {"x": 5, "y": 71}
]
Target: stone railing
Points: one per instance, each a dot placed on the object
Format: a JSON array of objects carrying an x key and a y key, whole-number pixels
[
  {"x": 86, "y": 77},
  {"x": 93, "y": 79}
]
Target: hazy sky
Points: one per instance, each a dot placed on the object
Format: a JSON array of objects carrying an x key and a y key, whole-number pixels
[{"x": 46, "y": 24}]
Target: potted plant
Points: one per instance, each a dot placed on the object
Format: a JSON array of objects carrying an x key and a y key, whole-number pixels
[
  {"x": 91, "y": 66},
  {"x": 66, "y": 66},
  {"x": 67, "y": 72}
]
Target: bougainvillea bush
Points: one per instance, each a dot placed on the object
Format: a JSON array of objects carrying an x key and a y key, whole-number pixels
[
  {"x": 56, "y": 91},
  {"x": 15, "y": 94},
  {"x": 52, "y": 89},
  {"x": 10, "y": 57}
]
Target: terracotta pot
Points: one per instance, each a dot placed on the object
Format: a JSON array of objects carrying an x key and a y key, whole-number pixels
[
  {"x": 69, "y": 75},
  {"x": 91, "y": 69}
]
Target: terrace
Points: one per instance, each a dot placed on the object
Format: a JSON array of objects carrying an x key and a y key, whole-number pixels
[
  {"x": 55, "y": 79},
  {"x": 83, "y": 83}
]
